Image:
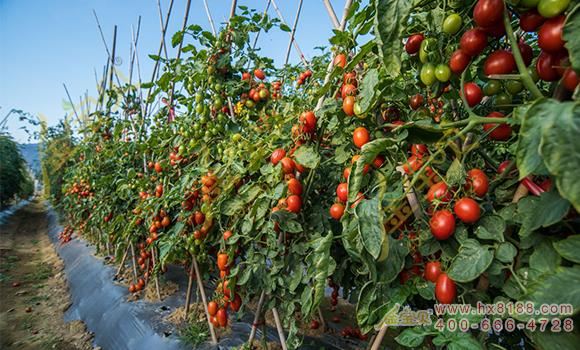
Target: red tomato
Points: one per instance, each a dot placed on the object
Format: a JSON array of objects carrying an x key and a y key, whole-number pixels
[
  {"x": 308, "y": 121},
  {"x": 222, "y": 261},
  {"x": 360, "y": 136},
  {"x": 439, "y": 191},
  {"x": 413, "y": 164},
  {"x": 473, "y": 42},
  {"x": 503, "y": 166},
  {"x": 413, "y": 44},
  {"x": 340, "y": 60},
  {"x": 342, "y": 192},
  {"x": 212, "y": 308},
  {"x": 336, "y": 211},
  {"x": 348, "y": 105},
  {"x": 416, "y": 101},
  {"x": 314, "y": 324},
  {"x": 550, "y": 34},
  {"x": 294, "y": 187},
  {"x": 497, "y": 30},
  {"x": 378, "y": 161},
  {"x": 288, "y": 165},
  {"x": 346, "y": 173},
  {"x": 236, "y": 303},
  {"x": 473, "y": 94},
  {"x": 488, "y": 12},
  {"x": 570, "y": 79},
  {"x": 350, "y": 78},
  {"x": 158, "y": 167},
  {"x": 258, "y": 73},
  {"x": 499, "y": 62},
  {"x": 419, "y": 150},
  {"x": 227, "y": 234},
  {"x": 478, "y": 181},
  {"x": 222, "y": 317},
  {"x": 432, "y": 270},
  {"x": 442, "y": 224},
  {"x": 531, "y": 20},
  {"x": 347, "y": 90},
  {"x": 246, "y": 76},
  {"x": 445, "y": 289},
  {"x": 359, "y": 197},
  {"x": 459, "y": 61},
  {"x": 501, "y": 132},
  {"x": 294, "y": 203},
  {"x": 527, "y": 52},
  {"x": 467, "y": 210},
  {"x": 277, "y": 155}
]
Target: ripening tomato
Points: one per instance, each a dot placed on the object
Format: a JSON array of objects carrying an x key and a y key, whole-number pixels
[
  {"x": 347, "y": 90},
  {"x": 445, "y": 289},
  {"x": 473, "y": 94},
  {"x": 414, "y": 43},
  {"x": 294, "y": 203},
  {"x": 346, "y": 173},
  {"x": 439, "y": 191},
  {"x": 349, "y": 78},
  {"x": 198, "y": 217},
  {"x": 360, "y": 136},
  {"x": 550, "y": 34},
  {"x": 527, "y": 52},
  {"x": 222, "y": 261},
  {"x": 336, "y": 211},
  {"x": 245, "y": 76},
  {"x": 459, "y": 61},
  {"x": 277, "y": 155},
  {"x": 452, "y": 24},
  {"x": 378, "y": 161},
  {"x": 498, "y": 132},
  {"x": 236, "y": 303},
  {"x": 488, "y": 12},
  {"x": 545, "y": 66},
  {"x": 288, "y": 165},
  {"x": 478, "y": 181},
  {"x": 531, "y": 20},
  {"x": 227, "y": 234},
  {"x": 348, "y": 105},
  {"x": 416, "y": 101},
  {"x": 419, "y": 150},
  {"x": 570, "y": 79},
  {"x": 503, "y": 166},
  {"x": 212, "y": 308},
  {"x": 258, "y": 73},
  {"x": 499, "y": 62},
  {"x": 442, "y": 224},
  {"x": 413, "y": 164},
  {"x": 294, "y": 187},
  {"x": 222, "y": 317},
  {"x": 342, "y": 192},
  {"x": 491, "y": 88},
  {"x": 552, "y": 8},
  {"x": 308, "y": 120},
  {"x": 467, "y": 210},
  {"x": 340, "y": 60},
  {"x": 158, "y": 167},
  {"x": 473, "y": 42},
  {"x": 432, "y": 271}
]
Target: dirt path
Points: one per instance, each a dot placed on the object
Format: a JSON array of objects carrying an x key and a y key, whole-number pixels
[{"x": 33, "y": 289}]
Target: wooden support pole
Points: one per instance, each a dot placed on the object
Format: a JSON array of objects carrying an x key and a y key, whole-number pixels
[
  {"x": 233, "y": 9},
  {"x": 156, "y": 277},
  {"x": 257, "y": 317},
  {"x": 189, "y": 285},
  {"x": 279, "y": 328},
  {"x": 134, "y": 261},
  {"x": 281, "y": 17},
  {"x": 72, "y": 105},
  {"x": 185, "y": 17},
  {"x": 203, "y": 298},
  {"x": 209, "y": 18},
  {"x": 293, "y": 33},
  {"x": 331, "y": 13},
  {"x": 379, "y": 339},
  {"x": 112, "y": 70},
  {"x": 122, "y": 261}
]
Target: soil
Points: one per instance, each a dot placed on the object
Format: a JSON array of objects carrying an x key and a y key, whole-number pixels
[{"x": 33, "y": 289}]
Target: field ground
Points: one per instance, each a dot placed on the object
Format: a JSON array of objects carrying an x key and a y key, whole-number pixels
[{"x": 33, "y": 289}]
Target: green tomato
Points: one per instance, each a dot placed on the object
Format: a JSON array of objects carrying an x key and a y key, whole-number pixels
[
  {"x": 514, "y": 86},
  {"x": 529, "y": 3},
  {"x": 181, "y": 149},
  {"x": 198, "y": 97},
  {"x": 199, "y": 108},
  {"x": 218, "y": 87},
  {"x": 492, "y": 87},
  {"x": 218, "y": 103},
  {"x": 552, "y": 8},
  {"x": 358, "y": 111},
  {"x": 210, "y": 70},
  {"x": 192, "y": 143},
  {"x": 503, "y": 99},
  {"x": 236, "y": 137},
  {"x": 533, "y": 74},
  {"x": 202, "y": 120},
  {"x": 221, "y": 117},
  {"x": 428, "y": 74},
  {"x": 442, "y": 72},
  {"x": 452, "y": 24},
  {"x": 250, "y": 104}
]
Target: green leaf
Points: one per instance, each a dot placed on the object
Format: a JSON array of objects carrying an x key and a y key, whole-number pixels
[
  {"x": 560, "y": 286},
  {"x": 550, "y": 341},
  {"x": 569, "y": 248},
  {"x": 491, "y": 227},
  {"x": 176, "y": 39},
  {"x": 390, "y": 23},
  {"x": 471, "y": 261},
  {"x": 533, "y": 213},
  {"x": 285, "y": 27},
  {"x": 528, "y": 157},
  {"x": 368, "y": 90},
  {"x": 464, "y": 341},
  {"x": 412, "y": 337},
  {"x": 307, "y": 156},
  {"x": 370, "y": 225},
  {"x": 560, "y": 150},
  {"x": 389, "y": 269},
  {"x": 455, "y": 174},
  {"x": 570, "y": 35},
  {"x": 544, "y": 259},
  {"x": 506, "y": 252}
]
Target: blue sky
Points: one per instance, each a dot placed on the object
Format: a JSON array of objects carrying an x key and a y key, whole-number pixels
[{"x": 46, "y": 43}]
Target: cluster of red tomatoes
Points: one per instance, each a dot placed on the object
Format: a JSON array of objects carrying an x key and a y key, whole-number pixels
[
  {"x": 160, "y": 221},
  {"x": 224, "y": 297},
  {"x": 348, "y": 92},
  {"x": 65, "y": 235},
  {"x": 445, "y": 288},
  {"x": 259, "y": 91},
  {"x": 81, "y": 188},
  {"x": 145, "y": 262},
  {"x": 303, "y": 77}
]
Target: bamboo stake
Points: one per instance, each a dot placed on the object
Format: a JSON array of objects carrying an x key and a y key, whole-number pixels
[
  {"x": 112, "y": 70},
  {"x": 105, "y": 42},
  {"x": 122, "y": 261},
  {"x": 233, "y": 9},
  {"x": 279, "y": 328},
  {"x": 321, "y": 317},
  {"x": 185, "y": 17},
  {"x": 134, "y": 261},
  {"x": 293, "y": 33},
  {"x": 189, "y": 285},
  {"x": 156, "y": 277},
  {"x": 133, "y": 48},
  {"x": 293, "y": 41},
  {"x": 209, "y": 17},
  {"x": 331, "y": 13},
  {"x": 379, "y": 338},
  {"x": 203, "y": 298},
  {"x": 257, "y": 317},
  {"x": 163, "y": 27},
  {"x": 73, "y": 105}
]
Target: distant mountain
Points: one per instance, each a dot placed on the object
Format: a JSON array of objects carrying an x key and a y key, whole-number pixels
[{"x": 31, "y": 156}]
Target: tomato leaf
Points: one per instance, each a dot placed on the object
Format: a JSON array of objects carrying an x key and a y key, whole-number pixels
[
  {"x": 470, "y": 262},
  {"x": 455, "y": 174},
  {"x": 561, "y": 150},
  {"x": 561, "y": 285},
  {"x": 569, "y": 248},
  {"x": 307, "y": 156},
  {"x": 368, "y": 90},
  {"x": 390, "y": 24},
  {"x": 548, "y": 340},
  {"x": 570, "y": 35},
  {"x": 413, "y": 337},
  {"x": 528, "y": 156},
  {"x": 533, "y": 214},
  {"x": 544, "y": 259},
  {"x": 491, "y": 227},
  {"x": 390, "y": 268},
  {"x": 506, "y": 252},
  {"x": 370, "y": 225}
]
